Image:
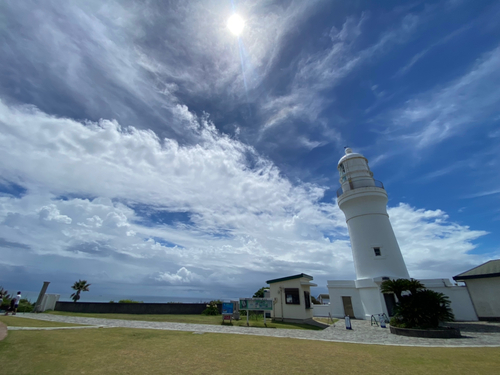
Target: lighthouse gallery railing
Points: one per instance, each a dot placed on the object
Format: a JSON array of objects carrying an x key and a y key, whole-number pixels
[{"x": 357, "y": 184}]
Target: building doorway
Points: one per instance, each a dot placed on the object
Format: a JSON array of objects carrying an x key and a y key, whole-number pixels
[
  {"x": 390, "y": 303},
  {"x": 348, "y": 310}
]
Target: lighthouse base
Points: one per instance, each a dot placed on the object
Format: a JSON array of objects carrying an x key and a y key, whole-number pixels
[{"x": 360, "y": 299}]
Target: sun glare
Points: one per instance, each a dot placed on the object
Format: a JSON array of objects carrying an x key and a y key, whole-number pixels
[{"x": 235, "y": 24}]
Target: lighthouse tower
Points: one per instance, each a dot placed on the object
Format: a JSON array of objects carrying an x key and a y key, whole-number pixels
[
  {"x": 375, "y": 250},
  {"x": 363, "y": 200}
]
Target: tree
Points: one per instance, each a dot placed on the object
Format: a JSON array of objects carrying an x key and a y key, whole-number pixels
[
  {"x": 260, "y": 292},
  {"x": 79, "y": 286},
  {"x": 417, "y": 307},
  {"x": 399, "y": 286}
]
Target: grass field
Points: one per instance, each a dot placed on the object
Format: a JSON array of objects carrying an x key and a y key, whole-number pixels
[
  {"x": 134, "y": 351},
  {"x": 18, "y": 321},
  {"x": 192, "y": 319}
]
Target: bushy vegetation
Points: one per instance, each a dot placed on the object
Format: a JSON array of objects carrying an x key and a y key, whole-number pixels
[
  {"x": 212, "y": 308},
  {"x": 129, "y": 301},
  {"x": 25, "y": 306},
  {"x": 417, "y": 307},
  {"x": 260, "y": 292},
  {"x": 5, "y": 298}
]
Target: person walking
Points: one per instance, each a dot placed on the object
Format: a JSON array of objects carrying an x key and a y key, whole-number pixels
[{"x": 14, "y": 303}]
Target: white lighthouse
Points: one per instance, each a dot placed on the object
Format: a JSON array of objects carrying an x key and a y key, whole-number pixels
[
  {"x": 363, "y": 200},
  {"x": 375, "y": 250}
]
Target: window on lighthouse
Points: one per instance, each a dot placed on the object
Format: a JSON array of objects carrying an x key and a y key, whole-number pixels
[
  {"x": 342, "y": 172},
  {"x": 377, "y": 251}
]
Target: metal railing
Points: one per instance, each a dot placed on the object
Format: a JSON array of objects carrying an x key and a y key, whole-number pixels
[{"x": 357, "y": 184}]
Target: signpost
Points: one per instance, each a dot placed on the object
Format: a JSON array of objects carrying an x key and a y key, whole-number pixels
[
  {"x": 256, "y": 304},
  {"x": 227, "y": 311}
]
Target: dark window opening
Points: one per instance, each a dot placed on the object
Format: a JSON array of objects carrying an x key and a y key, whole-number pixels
[
  {"x": 377, "y": 251},
  {"x": 292, "y": 296},
  {"x": 307, "y": 299}
]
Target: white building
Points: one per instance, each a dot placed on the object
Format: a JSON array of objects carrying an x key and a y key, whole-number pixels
[
  {"x": 375, "y": 250},
  {"x": 483, "y": 284},
  {"x": 292, "y": 298}
]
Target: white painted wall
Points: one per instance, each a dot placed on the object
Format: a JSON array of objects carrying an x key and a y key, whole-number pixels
[
  {"x": 287, "y": 311},
  {"x": 367, "y": 299},
  {"x": 485, "y": 296},
  {"x": 321, "y": 310},
  {"x": 49, "y": 302},
  {"x": 369, "y": 227},
  {"x": 339, "y": 288},
  {"x": 461, "y": 303}
]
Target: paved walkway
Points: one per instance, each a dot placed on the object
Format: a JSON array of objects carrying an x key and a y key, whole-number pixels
[{"x": 476, "y": 334}]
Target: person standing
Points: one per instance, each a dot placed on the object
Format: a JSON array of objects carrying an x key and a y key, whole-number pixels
[{"x": 14, "y": 303}]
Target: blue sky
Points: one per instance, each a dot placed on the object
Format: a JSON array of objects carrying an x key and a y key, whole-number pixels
[{"x": 148, "y": 150}]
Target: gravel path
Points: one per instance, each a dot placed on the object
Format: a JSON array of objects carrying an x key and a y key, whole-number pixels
[{"x": 476, "y": 334}]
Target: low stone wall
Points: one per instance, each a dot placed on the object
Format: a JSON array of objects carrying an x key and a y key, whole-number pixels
[
  {"x": 132, "y": 308},
  {"x": 447, "y": 333}
]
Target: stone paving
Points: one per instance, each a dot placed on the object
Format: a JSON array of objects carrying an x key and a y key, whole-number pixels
[{"x": 475, "y": 334}]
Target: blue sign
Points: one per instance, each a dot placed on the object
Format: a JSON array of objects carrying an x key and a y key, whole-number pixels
[{"x": 227, "y": 308}]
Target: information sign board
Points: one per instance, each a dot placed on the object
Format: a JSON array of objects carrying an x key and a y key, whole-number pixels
[
  {"x": 260, "y": 304},
  {"x": 227, "y": 308}
]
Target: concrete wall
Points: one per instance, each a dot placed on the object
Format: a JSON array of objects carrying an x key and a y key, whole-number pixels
[
  {"x": 461, "y": 303},
  {"x": 339, "y": 288},
  {"x": 367, "y": 299},
  {"x": 485, "y": 296},
  {"x": 132, "y": 308},
  {"x": 48, "y": 302},
  {"x": 321, "y": 310}
]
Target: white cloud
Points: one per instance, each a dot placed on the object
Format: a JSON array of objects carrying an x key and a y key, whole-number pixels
[
  {"x": 432, "y": 246},
  {"x": 447, "y": 111},
  {"x": 182, "y": 276},
  {"x": 326, "y": 69},
  {"x": 246, "y": 224}
]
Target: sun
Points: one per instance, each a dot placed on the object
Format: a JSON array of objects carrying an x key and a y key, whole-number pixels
[{"x": 235, "y": 24}]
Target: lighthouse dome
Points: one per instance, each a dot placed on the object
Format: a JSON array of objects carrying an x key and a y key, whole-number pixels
[{"x": 350, "y": 155}]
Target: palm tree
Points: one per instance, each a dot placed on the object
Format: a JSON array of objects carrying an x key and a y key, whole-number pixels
[
  {"x": 399, "y": 286},
  {"x": 418, "y": 307},
  {"x": 79, "y": 286},
  {"x": 414, "y": 286}
]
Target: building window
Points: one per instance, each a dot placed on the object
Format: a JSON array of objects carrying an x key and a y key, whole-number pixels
[
  {"x": 292, "y": 296},
  {"x": 377, "y": 251},
  {"x": 307, "y": 299},
  {"x": 342, "y": 168}
]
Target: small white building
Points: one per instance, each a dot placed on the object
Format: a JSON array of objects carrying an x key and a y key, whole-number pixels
[
  {"x": 292, "y": 298},
  {"x": 483, "y": 284}
]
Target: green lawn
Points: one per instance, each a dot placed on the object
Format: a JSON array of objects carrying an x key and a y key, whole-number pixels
[
  {"x": 134, "y": 351},
  {"x": 193, "y": 319},
  {"x": 19, "y": 321}
]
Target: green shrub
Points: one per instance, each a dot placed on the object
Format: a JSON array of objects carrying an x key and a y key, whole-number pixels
[
  {"x": 419, "y": 308},
  {"x": 25, "y": 306},
  {"x": 211, "y": 309},
  {"x": 129, "y": 301}
]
